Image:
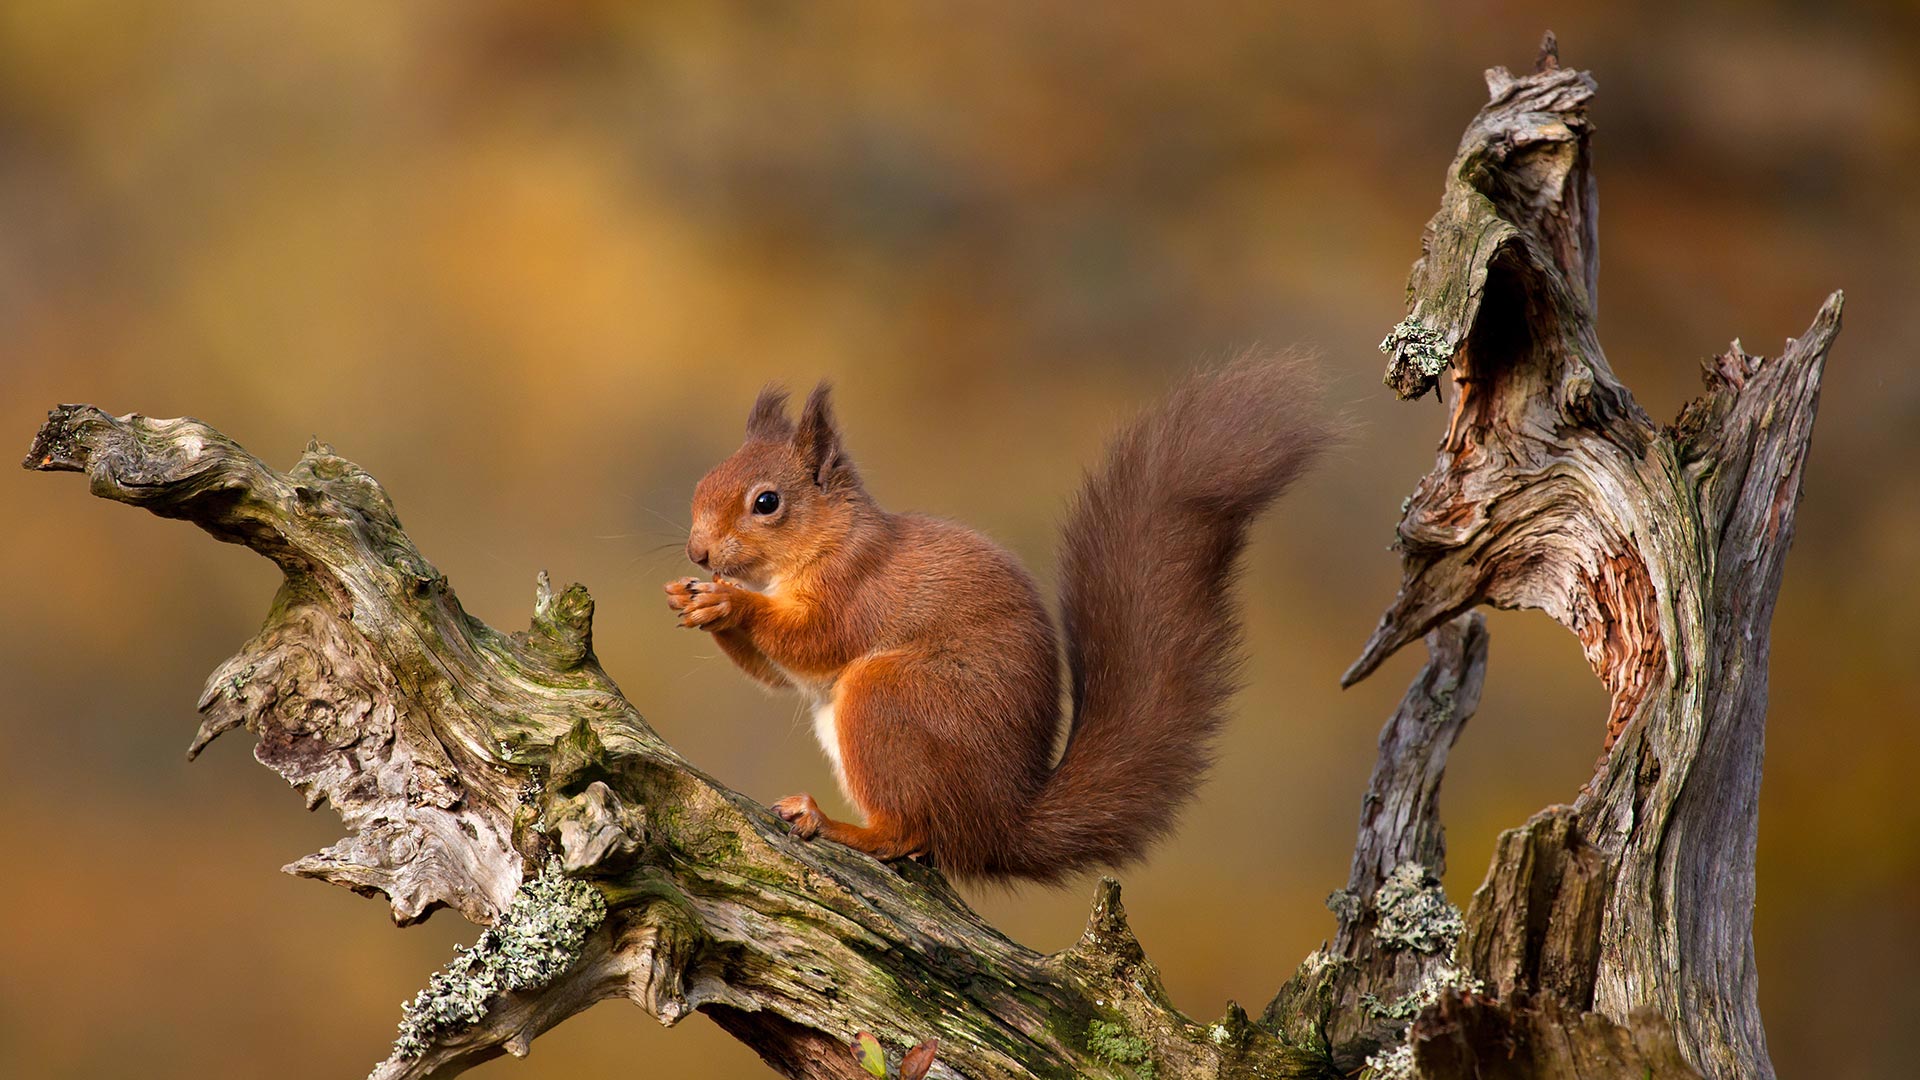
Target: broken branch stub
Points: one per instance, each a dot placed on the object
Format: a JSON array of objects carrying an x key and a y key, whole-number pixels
[{"x": 1395, "y": 949}]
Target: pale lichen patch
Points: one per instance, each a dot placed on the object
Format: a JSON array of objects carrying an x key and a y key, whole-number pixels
[
  {"x": 537, "y": 937},
  {"x": 1420, "y": 353},
  {"x": 1392, "y": 1064},
  {"x": 1428, "y": 990},
  {"x": 1414, "y": 913}
]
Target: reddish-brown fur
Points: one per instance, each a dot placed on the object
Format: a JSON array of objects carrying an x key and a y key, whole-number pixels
[{"x": 934, "y": 651}]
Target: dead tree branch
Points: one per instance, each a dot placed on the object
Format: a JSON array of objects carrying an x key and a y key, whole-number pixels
[{"x": 506, "y": 777}]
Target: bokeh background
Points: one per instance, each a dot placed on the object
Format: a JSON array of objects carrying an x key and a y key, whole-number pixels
[{"x": 528, "y": 263}]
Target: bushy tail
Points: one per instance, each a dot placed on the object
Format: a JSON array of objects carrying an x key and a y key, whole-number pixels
[{"x": 1148, "y": 562}]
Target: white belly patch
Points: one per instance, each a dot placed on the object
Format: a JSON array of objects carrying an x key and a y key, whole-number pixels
[{"x": 828, "y": 732}]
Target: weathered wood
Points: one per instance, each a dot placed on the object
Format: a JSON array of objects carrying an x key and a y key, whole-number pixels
[
  {"x": 1660, "y": 548},
  {"x": 1393, "y": 952},
  {"x": 505, "y": 776},
  {"x": 1520, "y": 1038}
]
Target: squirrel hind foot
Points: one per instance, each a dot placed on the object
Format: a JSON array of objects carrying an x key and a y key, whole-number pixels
[{"x": 884, "y": 840}]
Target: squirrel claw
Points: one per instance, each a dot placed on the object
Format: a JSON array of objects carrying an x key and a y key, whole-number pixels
[
  {"x": 803, "y": 813},
  {"x": 679, "y": 592},
  {"x": 705, "y": 605}
]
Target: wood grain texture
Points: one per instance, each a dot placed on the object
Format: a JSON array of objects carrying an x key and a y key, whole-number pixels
[{"x": 1661, "y": 548}]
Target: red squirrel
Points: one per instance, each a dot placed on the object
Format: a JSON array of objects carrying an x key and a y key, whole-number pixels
[{"x": 929, "y": 660}]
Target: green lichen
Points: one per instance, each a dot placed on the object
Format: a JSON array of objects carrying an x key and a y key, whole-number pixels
[
  {"x": 1114, "y": 1043},
  {"x": 1416, "y": 344},
  {"x": 1414, "y": 913},
  {"x": 1444, "y": 977},
  {"x": 536, "y": 938},
  {"x": 1344, "y": 905},
  {"x": 237, "y": 685},
  {"x": 1391, "y": 1064},
  {"x": 1396, "y": 1062}
]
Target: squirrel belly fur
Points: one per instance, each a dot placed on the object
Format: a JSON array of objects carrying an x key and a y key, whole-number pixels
[{"x": 929, "y": 661}]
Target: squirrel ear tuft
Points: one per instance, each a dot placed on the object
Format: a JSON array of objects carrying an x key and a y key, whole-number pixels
[
  {"x": 768, "y": 420},
  {"x": 817, "y": 440}
]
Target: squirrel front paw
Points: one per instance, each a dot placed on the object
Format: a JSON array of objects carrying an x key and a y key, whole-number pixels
[
  {"x": 706, "y": 605},
  {"x": 803, "y": 813},
  {"x": 679, "y": 592}
]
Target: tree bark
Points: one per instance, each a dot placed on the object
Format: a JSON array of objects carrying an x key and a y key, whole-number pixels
[
  {"x": 1660, "y": 547},
  {"x": 506, "y": 777}
]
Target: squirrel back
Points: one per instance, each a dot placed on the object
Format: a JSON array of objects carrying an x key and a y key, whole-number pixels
[{"x": 928, "y": 657}]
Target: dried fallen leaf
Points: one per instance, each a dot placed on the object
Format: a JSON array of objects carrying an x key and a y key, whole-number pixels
[
  {"x": 866, "y": 1051},
  {"x": 918, "y": 1060}
]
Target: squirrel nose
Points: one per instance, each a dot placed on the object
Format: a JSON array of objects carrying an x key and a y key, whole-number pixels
[{"x": 697, "y": 552}]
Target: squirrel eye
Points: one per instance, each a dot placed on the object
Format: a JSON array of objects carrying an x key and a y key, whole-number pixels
[{"x": 766, "y": 502}]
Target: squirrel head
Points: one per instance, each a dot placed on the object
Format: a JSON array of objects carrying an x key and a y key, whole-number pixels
[{"x": 787, "y": 496}]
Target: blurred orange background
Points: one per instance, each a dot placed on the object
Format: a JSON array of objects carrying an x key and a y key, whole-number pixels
[{"x": 528, "y": 263}]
